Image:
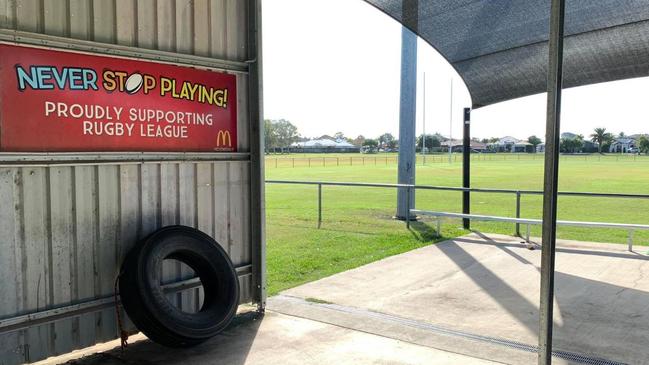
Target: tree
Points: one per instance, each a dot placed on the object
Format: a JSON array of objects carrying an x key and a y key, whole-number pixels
[
  {"x": 534, "y": 141},
  {"x": 572, "y": 145},
  {"x": 431, "y": 141},
  {"x": 370, "y": 146},
  {"x": 279, "y": 134},
  {"x": 270, "y": 135},
  {"x": 643, "y": 144},
  {"x": 565, "y": 145},
  {"x": 386, "y": 139},
  {"x": 358, "y": 141},
  {"x": 372, "y": 143},
  {"x": 339, "y": 135},
  {"x": 601, "y": 137},
  {"x": 621, "y": 135}
]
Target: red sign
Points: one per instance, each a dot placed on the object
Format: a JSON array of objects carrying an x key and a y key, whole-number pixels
[{"x": 62, "y": 101}]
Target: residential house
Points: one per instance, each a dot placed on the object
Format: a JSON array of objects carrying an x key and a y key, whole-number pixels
[
  {"x": 457, "y": 145},
  {"x": 506, "y": 144},
  {"x": 587, "y": 145},
  {"x": 324, "y": 145},
  {"x": 522, "y": 146},
  {"x": 623, "y": 145}
]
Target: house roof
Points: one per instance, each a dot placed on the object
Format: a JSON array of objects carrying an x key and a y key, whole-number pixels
[
  {"x": 568, "y": 135},
  {"x": 499, "y": 48},
  {"x": 508, "y": 139},
  {"x": 453, "y": 142},
  {"x": 459, "y": 142},
  {"x": 624, "y": 140},
  {"x": 475, "y": 144},
  {"x": 323, "y": 142}
]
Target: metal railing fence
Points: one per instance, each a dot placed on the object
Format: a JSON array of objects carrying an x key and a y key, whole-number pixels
[
  {"x": 378, "y": 159},
  {"x": 518, "y": 193}
]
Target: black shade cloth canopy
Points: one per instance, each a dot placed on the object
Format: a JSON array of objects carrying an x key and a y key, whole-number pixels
[{"x": 500, "y": 47}]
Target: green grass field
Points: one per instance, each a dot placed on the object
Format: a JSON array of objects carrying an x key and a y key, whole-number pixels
[{"x": 357, "y": 222}]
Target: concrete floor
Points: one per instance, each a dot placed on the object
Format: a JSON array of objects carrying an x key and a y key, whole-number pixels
[
  {"x": 489, "y": 286},
  {"x": 275, "y": 339},
  {"x": 471, "y": 300}
]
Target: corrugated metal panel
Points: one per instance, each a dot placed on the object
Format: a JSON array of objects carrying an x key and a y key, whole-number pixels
[
  {"x": 29, "y": 16},
  {"x": 214, "y": 28},
  {"x": 11, "y": 350},
  {"x": 64, "y": 230},
  {"x": 35, "y": 263},
  {"x": 126, "y": 16},
  {"x": 218, "y": 33}
]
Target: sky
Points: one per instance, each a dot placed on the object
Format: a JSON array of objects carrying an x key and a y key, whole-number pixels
[{"x": 326, "y": 72}]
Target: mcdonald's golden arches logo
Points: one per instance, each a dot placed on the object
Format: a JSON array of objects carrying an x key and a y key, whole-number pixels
[{"x": 224, "y": 139}]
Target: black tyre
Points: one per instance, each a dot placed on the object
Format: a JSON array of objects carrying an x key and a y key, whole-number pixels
[{"x": 144, "y": 300}]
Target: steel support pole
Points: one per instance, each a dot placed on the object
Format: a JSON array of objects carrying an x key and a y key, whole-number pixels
[
  {"x": 450, "y": 125},
  {"x": 319, "y": 205},
  {"x": 629, "y": 240},
  {"x": 551, "y": 179},
  {"x": 423, "y": 135},
  {"x": 518, "y": 212},
  {"x": 407, "y": 110},
  {"x": 466, "y": 167},
  {"x": 256, "y": 117},
  {"x": 409, "y": 206}
]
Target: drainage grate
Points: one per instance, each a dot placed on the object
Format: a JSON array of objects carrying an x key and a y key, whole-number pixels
[{"x": 565, "y": 355}]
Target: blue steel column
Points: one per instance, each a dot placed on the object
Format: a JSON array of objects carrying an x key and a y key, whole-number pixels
[
  {"x": 551, "y": 179},
  {"x": 407, "y": 111}
]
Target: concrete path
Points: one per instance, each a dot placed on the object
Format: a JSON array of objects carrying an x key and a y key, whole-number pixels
[
  {"x": 275, "y": 339},
  {"x": 489, "y": 286},
  {"x": 470, "y": 300}
]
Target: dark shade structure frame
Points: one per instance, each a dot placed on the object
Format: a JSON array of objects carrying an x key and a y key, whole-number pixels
[
  {"x": 514, "y": 66},
  {"x": 551, "y": 180},
  {"x": 499, "y": 48}
]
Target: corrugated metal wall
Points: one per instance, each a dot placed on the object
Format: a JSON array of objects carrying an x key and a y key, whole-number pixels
[
  {"x": 64, "y": 229},
  {"x": 211, "y": 28}
]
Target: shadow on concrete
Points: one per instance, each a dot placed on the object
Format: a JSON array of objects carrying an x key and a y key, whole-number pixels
[
  {"x": 606, "y": 320},
  {"x": 519, "y": 307},
  {"x": 577, "y": 251},
  {"x": 229, "y": 347},
  {"x": 594, "y": 317},
  {"x": 506, "y": 249}
]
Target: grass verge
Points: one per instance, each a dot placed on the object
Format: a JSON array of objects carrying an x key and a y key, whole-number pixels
[{"x": 357, "y": 222}]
